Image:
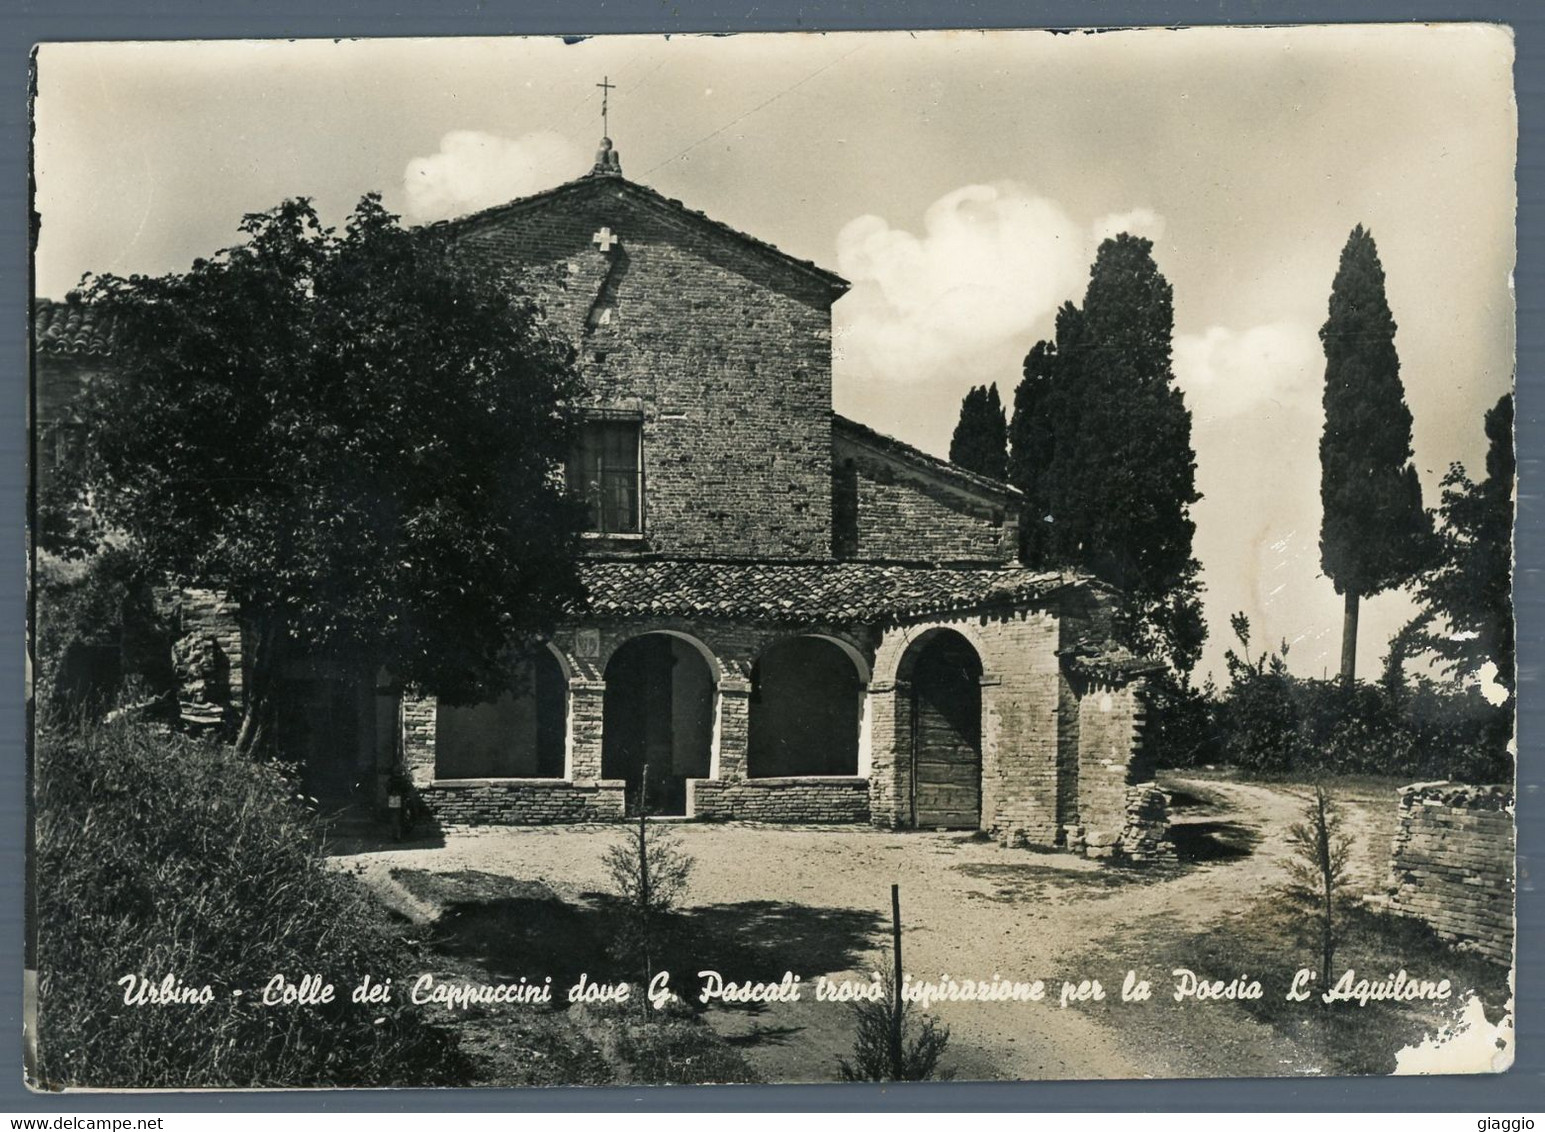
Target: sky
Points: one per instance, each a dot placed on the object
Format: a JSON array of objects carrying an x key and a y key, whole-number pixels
[{"x": 960, "y": 180}]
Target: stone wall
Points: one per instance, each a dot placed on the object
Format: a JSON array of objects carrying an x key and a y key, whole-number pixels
[
  {"x": 474, "y": 802},
  {"x": 1452, "y": 864},
  {"x": 1145, "y": 836},
  {"x": 722, "y": 348},
  {"x": 206, "y": 656},
  {"x": 801, "y": 800},
  {"x": 1110, "y": 720}
]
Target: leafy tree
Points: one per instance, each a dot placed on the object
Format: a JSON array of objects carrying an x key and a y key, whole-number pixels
[
  {"x": 1102, "y": 451},
  {"x": 355, "y": 435},
  {"x": 1468, "y": 592},
  {"x": 1374, "y": 534},
  {"x": 980, "y": 442}
]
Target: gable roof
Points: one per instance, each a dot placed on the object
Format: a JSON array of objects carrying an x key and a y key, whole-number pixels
[
  {"x": 916, "y": 457},
  {"x": 819, "y": 592},
  {"x": 70, "y": 328},
  {"x": 643, "y": 194}
]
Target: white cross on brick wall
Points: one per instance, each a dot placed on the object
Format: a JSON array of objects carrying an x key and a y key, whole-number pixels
[{"x": 604, "y": 239}]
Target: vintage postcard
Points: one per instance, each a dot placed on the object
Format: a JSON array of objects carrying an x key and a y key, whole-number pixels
[{"x": 773, "y": 558}]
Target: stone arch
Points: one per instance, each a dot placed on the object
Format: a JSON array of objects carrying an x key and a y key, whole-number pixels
[
  {"x": 566, "y": 663},
  {"x": 710, "y": 658},
  {"x": 939, "y": 675},
  {"x": 890, "y": 658},
  {"x": 660, "y": 711},
  {"x": 807, "y": 709}
]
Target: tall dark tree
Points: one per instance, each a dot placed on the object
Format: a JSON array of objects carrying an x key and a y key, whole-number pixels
[
  {"x": 1374, "y": 534},
  {"x": 980, "y": 442},
  {"x": 1102, "y": 451},
  {"x": 356, "y": 435},
  {"x": 1467, "y": 595},
  {"x": 1031, "y": 437}
]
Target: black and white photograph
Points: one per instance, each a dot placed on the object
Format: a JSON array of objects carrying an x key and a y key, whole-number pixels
[{"x": 772, "y": 558}]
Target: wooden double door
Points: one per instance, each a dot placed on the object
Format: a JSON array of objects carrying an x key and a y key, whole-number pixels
[{"x": 946, "y": 695}]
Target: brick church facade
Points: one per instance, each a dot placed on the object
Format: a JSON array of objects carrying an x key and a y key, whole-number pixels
[{"x": 791, "y": 617}]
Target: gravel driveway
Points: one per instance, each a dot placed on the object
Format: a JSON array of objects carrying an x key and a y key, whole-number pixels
[{"x": 970, "y": 909}]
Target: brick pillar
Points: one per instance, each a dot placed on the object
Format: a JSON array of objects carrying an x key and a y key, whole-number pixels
[
  {"x": 890, "y": 752},
  {"x": 418, "y": 738},
  {"x": 729, "y": 764},
  {"x": 586, "y": 703}
]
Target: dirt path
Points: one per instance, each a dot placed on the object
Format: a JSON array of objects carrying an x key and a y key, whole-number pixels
[{"x": 817, "y": 902}]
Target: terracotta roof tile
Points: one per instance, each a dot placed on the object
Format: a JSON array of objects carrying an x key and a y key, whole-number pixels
[
  {"x": 70, "y": 328},
  {"x": 864, "y": 592}
]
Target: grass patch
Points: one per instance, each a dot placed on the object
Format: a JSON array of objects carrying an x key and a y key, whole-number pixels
[
  {"x": 496, "y": 929},
  {"x": 671, "y": 1047},
  {"x": 1016, "y": 883},
  {"x": 1267, "y": 941}
]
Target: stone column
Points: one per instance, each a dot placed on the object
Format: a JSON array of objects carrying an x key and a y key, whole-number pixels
[
  {"x": 729, "y": 761},
  {"x": 889, "y": 754},
  {"x": 418, "y": 738},
  {"x": 586, "y": 704}
]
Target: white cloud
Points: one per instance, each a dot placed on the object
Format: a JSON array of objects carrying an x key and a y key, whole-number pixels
[
  {"x": 1139, "y": 222},
  {"x": 1227, "y": 373},
  {"x": 965, "y": 296},
  {"x": 474, "y": 170}
]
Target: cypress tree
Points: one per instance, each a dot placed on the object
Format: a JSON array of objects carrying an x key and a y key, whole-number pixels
[
  {"x": 980, "y": 442},
  {"x": 1102, "y": 450},
  {"x": 1031, "y": 439},
  {"x": 1373, "y": 533}
]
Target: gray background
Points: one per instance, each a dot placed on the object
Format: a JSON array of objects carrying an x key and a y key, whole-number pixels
[{"x": 23, "y": 24}]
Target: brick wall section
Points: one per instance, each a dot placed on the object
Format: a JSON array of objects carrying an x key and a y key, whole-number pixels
[
  {"x": 906, "y": 511},
  {"x": 1019, "y": 726},
  {"x": 802, "y": 800},
  {"x": 725, "y": 352},
  {"x": 1452, "y": 863},
  {"x": 59, "y": 380},
  {"x": 418, "y": 739},
  {"x": 1067, "y": 757},
  {"x": 536, "y": 802}
]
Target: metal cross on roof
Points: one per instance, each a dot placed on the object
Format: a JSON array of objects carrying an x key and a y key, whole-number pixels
[
  {"x": 604, "y": 239},
  {"x": 606, "y": 89}
]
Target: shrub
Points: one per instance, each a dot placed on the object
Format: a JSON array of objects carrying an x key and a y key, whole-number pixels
[
  {"x": 1273, "y": 722},
  {"x": 160, "y": 856},
  {"x": 99, "y": 637},
  {"x": 892, "y": 1044},
  {"x": 649, "y": 871},
  {"x": 1182, "y": 726}
]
